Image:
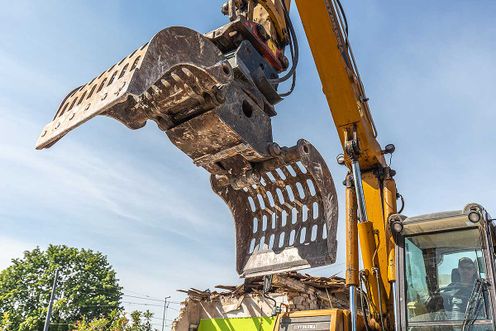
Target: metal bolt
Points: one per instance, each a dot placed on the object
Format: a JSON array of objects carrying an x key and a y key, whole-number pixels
[
  {"x": 57, "y": 126},
  {"x": 219, "y": 95},
  {"x": 223, "y": 180},
  {"x": 274, "y": 149},
  {"x": 104, "y": 96},
  {"x": 340, "y": 159},
  {"x": 255, "y": 177},
  {"x": 44, "y": 133},
  {"x": 87, "y": 106},
  {"x": 72, "y": 116}
]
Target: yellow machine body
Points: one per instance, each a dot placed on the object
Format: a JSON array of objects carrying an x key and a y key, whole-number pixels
[{"x": 318, "y": 320}]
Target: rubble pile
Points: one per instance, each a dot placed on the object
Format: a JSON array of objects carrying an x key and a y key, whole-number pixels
[{"x": 290, "y": 291}]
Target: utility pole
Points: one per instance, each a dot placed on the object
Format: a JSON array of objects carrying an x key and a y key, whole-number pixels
[
  {"x": 52, "y": 297},
  {"x": 164, "y": 313}
]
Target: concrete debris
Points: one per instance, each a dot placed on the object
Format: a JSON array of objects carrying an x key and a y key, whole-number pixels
[{"x": 292, "y": 291}]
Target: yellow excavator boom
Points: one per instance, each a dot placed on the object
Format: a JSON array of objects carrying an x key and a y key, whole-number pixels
[{"x": 326, "y": 31}]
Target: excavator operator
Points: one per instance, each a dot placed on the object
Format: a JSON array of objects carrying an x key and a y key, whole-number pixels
[
  {"x": 457, "y": 293},
  {"x": 467, "y": 271},
  {"x": 454, "y": 297}
]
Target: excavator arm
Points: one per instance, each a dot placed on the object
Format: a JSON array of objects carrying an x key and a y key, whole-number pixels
[
  {"x": 370, "y": 187},
  {"x": 214, "y": 96}
]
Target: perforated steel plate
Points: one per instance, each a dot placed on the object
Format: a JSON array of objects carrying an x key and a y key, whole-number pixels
[
  {"x": 174, "y": 72},
  {"x": 288, "y": 220}
]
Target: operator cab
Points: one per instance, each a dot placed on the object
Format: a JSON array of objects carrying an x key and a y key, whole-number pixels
[{"x": 446, "y": 270}]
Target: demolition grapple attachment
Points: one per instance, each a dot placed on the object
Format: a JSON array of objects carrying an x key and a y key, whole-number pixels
[
  {"x": 178, "y": 69},
  {"x": 286, "y": 217},
  {"x": 214, "y": 99}
]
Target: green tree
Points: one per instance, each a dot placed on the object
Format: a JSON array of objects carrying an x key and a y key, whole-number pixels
[
  {"x": 147, "y": 323},
  {"x": 116, "y": 322},
  {"x": 87, "y": 288},
  {"x": 140, "y": 321}
]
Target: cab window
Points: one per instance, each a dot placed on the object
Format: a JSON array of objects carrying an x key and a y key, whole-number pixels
[{"x": 441, "y": 270}]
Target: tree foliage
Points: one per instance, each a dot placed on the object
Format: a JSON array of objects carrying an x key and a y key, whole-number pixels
[
  {"x": 140, "y": 321},
  {"x": 87, "y": 289},
  {"x": 116, "y": 322}
]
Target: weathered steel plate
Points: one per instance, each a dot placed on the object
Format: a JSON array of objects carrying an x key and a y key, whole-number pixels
[
  {"x": 176, "y": 70},
  {"x": 288, "y": 221}
]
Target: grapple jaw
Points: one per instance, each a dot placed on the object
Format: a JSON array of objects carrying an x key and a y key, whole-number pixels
[
  {"x": 286, "y": 216},
  {"x": 178, "y": 69},
  {"x": 215, "y": 104}
]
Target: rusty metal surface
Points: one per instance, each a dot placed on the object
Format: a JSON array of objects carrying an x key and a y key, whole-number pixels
[
  {"x": 217, "y": 109},
  {"x": 180, "y": 65},
  {"x": 288, "y": 220},
  {"x": 183, "y": 82}
]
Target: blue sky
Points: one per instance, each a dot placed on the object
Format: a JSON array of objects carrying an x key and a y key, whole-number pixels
[{"x": 428, "y": 67}]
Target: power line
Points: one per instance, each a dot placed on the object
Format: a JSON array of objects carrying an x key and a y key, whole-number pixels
[
  {"x": 158, "y": 318},
  {"x": 141, "y": 294},
  {"x": 143, "y": 298},
  {"x": 141, "y": 304},
  {"x": 150, "y": 299},
  {"x": 124, "y": 302}
]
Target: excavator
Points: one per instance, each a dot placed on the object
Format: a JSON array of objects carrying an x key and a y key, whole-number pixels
[{"x": 214, "y": 95}]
